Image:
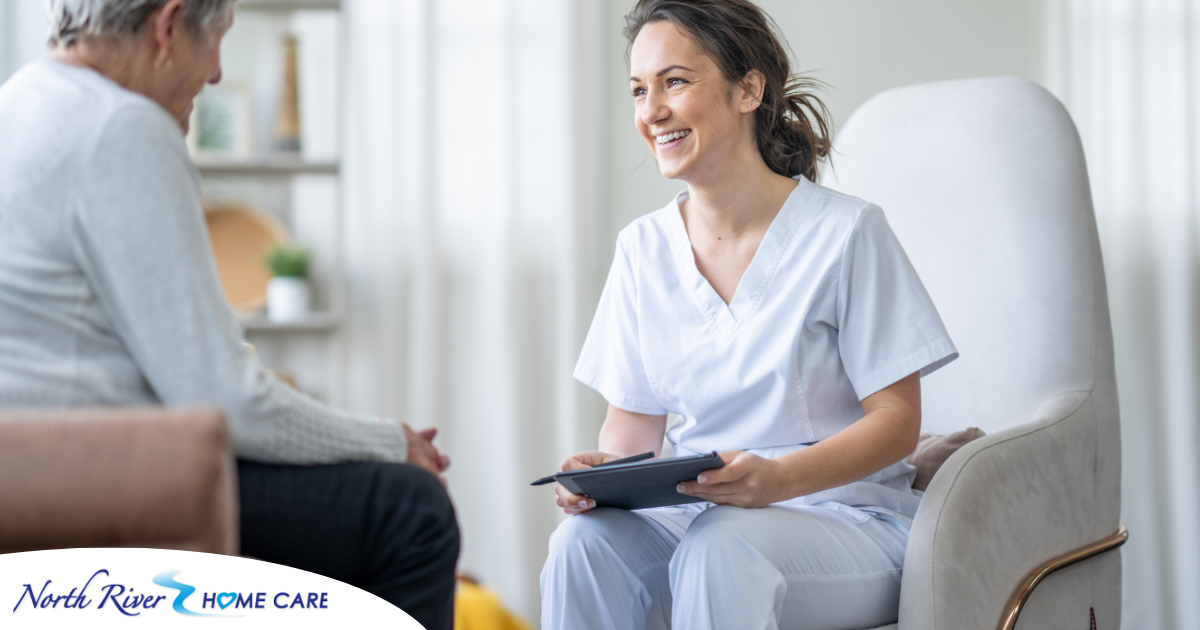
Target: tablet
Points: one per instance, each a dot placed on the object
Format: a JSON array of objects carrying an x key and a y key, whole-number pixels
[{"x": 639, "y": 485}]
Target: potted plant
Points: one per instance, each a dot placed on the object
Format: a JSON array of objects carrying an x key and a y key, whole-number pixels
[{"x": 287, "y": 293}]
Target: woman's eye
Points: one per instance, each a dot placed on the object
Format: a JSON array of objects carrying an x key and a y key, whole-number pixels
[
  {"x": 638, "y": 92},
  {"x": 676, "y": 81}
]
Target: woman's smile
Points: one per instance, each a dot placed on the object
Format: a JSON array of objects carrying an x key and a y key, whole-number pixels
[{"x": 670, "y": 140}]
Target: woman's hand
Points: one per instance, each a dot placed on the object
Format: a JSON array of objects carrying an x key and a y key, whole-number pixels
[
  {"x": 746, "y": 480},
  {"x": 623, "y": 432},
  {"x": 422, "y": 452},
  {"x": 576, "y": 503}
]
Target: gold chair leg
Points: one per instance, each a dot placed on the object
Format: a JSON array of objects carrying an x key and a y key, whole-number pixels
[{"x": 1008, "y": 620}]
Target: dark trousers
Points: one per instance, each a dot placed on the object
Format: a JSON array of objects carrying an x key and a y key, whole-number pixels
[{"x": 388, "y": 529}]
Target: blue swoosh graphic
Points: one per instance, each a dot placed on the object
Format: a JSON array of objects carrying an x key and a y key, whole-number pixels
[{"x": 166, "y": 578}]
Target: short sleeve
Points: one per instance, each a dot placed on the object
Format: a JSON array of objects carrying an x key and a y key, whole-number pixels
[
  {"x": 611, "y": 360},
  {"x": 888, "y": 327}
]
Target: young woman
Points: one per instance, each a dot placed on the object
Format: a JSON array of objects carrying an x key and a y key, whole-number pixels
[{"x": 784, "y": 324}]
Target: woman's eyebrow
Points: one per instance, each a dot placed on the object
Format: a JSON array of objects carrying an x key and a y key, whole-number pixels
[{"x": 665, "y": 70}]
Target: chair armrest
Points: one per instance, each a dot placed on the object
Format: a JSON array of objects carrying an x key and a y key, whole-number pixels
[
  {"x": 998, "y": 509},
  {"x": 135, "y": 477}
]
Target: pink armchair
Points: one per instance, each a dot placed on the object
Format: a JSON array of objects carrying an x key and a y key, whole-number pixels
[{"x": 119, "y": 477}]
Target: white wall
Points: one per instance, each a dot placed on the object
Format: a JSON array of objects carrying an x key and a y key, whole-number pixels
[
  {"x": 858, "y": 47},
  {"x": 5, "y": 38},
  {"x": 23, "y": 34}
]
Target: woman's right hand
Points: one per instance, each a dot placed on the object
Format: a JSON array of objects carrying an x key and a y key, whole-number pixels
[
  {"x": 422, "y": 453},
  {"x": 576, "y": 503}
]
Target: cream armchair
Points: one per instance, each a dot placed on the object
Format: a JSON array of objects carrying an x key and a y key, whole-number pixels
[{"x": 985, "y": 184}]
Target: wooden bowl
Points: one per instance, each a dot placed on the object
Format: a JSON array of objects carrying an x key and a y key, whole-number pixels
[{"x": 241, "y": 235}]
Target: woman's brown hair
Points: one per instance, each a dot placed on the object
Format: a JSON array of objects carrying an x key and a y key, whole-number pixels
[{"x": 792, "y": 124}]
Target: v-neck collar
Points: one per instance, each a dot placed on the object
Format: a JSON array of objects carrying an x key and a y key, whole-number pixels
[{"x": 724, "y": 318}]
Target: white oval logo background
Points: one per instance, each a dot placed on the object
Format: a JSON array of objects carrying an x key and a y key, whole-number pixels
[{"x": 161, "y": 588}]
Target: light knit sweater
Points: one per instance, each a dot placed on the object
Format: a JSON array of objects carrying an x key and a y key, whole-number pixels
[{"x": 108, "y": 290}]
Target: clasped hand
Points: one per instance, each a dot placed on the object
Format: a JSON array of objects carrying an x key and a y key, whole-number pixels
[
  {"x": 746, "y": 480},
  {"x": 422, "y": 452}
]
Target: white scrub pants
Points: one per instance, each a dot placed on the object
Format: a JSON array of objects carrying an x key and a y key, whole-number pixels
[{"x": 724, "y": 567}]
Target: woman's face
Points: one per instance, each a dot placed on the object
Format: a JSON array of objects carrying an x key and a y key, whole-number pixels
[
  {"x": 195, "y": 62},
  {"x": 686, "y": 112}
]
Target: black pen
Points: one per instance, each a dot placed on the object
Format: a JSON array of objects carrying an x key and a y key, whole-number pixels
[{"x": 628, "y": 460}]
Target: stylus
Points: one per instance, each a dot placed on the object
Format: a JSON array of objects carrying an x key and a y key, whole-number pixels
[{"x": 627, "y": 460}]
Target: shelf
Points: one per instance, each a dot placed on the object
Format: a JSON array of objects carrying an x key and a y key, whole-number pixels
[
  {"x": 315, "y": 322},
  {"x": 263, "y": 165},
  {"x": 289, "y": 5}
]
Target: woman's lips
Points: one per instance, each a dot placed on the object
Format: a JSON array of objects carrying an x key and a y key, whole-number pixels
[{"x": 674, "y": 142}]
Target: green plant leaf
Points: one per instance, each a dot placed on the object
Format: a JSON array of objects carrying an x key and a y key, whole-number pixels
[{"x": 289, "y": 261}]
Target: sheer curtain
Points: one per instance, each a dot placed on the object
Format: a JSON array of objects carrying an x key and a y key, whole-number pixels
[
  {"x": 23, "y": 34},
  {"x": 472, "y": 148},
  {"x": 1129, "y": 71}
]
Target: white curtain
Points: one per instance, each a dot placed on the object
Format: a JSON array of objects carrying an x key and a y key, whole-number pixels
[
  {"x": 473, "y": 142},
  {"x": 23, "y": 34},
  {"x": 1129, "y": 71}
]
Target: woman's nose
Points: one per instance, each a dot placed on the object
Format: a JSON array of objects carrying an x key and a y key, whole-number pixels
[{"x": 654, "y": 109}]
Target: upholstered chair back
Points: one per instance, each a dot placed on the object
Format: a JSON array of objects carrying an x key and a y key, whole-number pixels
[{"x": 985, "y": 184}]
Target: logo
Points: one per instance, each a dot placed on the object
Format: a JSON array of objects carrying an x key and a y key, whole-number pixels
[
  {"x": 114, "y": 593},
  {"x": 185, "y": 591},
  {"x": 111, "y": 588},
  {"x": 281, "y": 600},
  {"x": 126, "y": 600}
]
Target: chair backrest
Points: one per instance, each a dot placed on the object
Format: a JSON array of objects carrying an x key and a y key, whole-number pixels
[{"x": 984, "y": 182}]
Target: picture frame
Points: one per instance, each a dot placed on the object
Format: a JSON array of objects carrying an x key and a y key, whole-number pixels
[{"x": 221, "y": 121}]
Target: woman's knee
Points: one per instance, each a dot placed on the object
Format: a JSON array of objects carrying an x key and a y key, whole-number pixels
[
  {"x": 716, "y": 525},
  {"x": 407, "y": 483},
  {"x": 432, "y": 492},
  {"x": 604, "y": 553},
  {"x": 415, "y": 503},
  {"x": 587, "y": 533},
  {"x": 716, "y": 532}
]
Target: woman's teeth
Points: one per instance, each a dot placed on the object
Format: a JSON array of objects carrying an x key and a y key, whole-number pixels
[{"x": 667, "y": 137}]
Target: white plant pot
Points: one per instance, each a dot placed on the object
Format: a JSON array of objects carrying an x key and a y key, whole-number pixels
[{"x": 287, "y": 299}]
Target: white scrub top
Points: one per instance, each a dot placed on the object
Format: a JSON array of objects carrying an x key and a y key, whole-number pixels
[{"x": 829, "y": 311}]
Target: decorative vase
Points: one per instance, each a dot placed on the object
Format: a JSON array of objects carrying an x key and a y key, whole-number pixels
[
  {"x": 287, "y": 123},
  {"x": 287, "y": 299}
]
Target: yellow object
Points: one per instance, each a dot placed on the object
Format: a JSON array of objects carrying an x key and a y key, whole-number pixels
[{"x": 478, "y": 608}]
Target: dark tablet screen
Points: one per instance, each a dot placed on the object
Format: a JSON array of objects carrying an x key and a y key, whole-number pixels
[{"x": 640, "y": 484}]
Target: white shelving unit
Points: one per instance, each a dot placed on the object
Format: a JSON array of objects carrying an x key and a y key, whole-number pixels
[
  {"x": 303, "y": 190},
  {"x": 290, "y": 5},
  {"x": 267, "y": 164},
  {"x": 315, "y": 322}
]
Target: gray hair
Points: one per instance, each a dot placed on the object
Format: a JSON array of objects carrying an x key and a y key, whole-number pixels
[{"x": 72, "y": 20}]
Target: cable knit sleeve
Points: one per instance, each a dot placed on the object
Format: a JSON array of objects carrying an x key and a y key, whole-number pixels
[{"x": 139, "y": 234}]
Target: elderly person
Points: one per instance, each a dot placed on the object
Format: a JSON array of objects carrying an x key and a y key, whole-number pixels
[{"x": 109, "y": 296}]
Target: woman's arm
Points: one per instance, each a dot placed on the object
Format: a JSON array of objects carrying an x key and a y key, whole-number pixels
[
  {"x": 142, "y": 243},
  {"x": 885, "y": 434},
  {"x": 624, "y": 434}
]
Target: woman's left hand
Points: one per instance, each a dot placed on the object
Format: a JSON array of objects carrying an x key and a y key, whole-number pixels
[{"x": 746, "y": 480}]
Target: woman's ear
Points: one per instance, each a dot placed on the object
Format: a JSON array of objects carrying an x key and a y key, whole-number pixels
[
  {"x": 164, "y": 27},
  {"x": 750, "y": 91}
]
